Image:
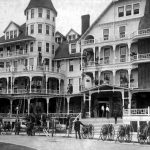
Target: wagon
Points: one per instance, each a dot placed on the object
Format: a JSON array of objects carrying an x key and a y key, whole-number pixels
[
  {"x": 107, "y": 132},
  {"x": 143, "y": 134},
  {"x": 87, "y": 131},
  {"x": 124, "y": 133}
]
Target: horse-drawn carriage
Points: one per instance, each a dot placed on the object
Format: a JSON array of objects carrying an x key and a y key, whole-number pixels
[
  {"x": 124, "y": 133},
  {"x": 87, "y": 131},
  {"x": 107, "y": 132},
  {"x": 143, "y": 134}
]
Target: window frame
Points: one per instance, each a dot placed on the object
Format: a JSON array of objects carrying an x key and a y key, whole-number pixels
[
  {"x": 40, "y": 12},
  {"x": 32, "y": 29},
  {"x": 48, "y": 14},
  {"x": 134, "y": 10},
  {"x": 122, "y": 34},
  {"x": 128, "y": 12},
  {"x": 123, "y": 56},
  {"x": 40, "y": 26},
  {"x": 53, "y": 49},
  {"x": 70, "y": 66},
  {"x": 32, "y": 13},
  {"x": 15, "y": 33},
  {"x": 47, "y": 47},
  {"x": 73, "y": 48},
  {"x": 47, "y": 30},
  {"x": 120, "y": 14},
  {"x": 39, "y": 46},
  {"x": 31, "y": 47},
  {"x": 7, "y": 35},
  {"x": 105, "y": 36},
  {"x": 11, "y": 34}
]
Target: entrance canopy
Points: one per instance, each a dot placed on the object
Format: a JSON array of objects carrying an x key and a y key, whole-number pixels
[{"x": 105, "y": 87}]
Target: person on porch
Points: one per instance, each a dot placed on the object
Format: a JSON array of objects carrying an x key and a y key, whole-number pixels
[
  {"x": 102, "y": 109},
  {"x": 107, "y": 112}
]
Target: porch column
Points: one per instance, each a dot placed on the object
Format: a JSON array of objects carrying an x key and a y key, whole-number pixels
[
  {"x": 29, "y": 105},
  {"x": 11, "y": 85},
  {"x": 47, "y": 102},
  {"x": 114, "y": 52},
  {"x": 99, "y": 54},
  {"x": 99, "y": 76},
  {"x": 114, "y": 77},
  {"x": 68, "y": 107},
  {"x": 129, "y": 74},
  {"x": 89, "y": 105},
  {"x": 129, "y": 104},
  {"x": 30, "y": 85},
  {"x": 11, "y": 101},
  {"x": 7, "y": 84},
  {"x": 129, "y": 49},
  {"x": 59, "y": 86},
  {"x": 94, "y": 55},
  {"x": 46, "y": 84},
  {"x": 122, "y": 93}
]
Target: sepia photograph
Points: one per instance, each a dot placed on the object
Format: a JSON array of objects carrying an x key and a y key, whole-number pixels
[{"x": 74, "y": 74}]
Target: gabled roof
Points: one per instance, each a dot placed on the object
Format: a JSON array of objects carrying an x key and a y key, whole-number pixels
[
  {"x": 22, "y": 36},
  {"x": 42, "y": 4},
  {"x": 99, "y": 17},
  {"x": 11, "y": 22},
  {"x": 62, "y": 52},
  {"x": 57, "y": 32},
  {"x": 72, "y": 31}
]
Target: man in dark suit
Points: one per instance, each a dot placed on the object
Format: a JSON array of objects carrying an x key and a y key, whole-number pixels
[{"x": 77, "y": 127}]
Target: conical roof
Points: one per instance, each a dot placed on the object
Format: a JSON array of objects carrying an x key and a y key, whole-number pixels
[{"x": 41, "y": 3}]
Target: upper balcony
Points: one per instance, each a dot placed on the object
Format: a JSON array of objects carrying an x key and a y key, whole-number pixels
[
  {"x": 141, "y": 58},
  {"x": 13, "y": 54},
  {"x": 139, "y": 34}
]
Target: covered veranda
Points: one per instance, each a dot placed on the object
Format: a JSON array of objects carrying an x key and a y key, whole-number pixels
[{"x": 116, "y": 98}]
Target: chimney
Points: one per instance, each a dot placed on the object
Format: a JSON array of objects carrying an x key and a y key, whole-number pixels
[{"x": 85, "y": 23}]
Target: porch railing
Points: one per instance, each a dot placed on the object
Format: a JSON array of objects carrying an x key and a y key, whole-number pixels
[
  {"x": 88, "y": 42},
  {"x": 62, "y": 115},
  {"x": 140, "y": 57},
  {"x": 137, "y": 112}
]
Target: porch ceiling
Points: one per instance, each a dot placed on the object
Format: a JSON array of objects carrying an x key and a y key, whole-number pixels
[{"x": 105, "y": 87}]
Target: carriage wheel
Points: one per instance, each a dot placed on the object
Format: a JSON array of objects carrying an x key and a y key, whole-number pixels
[
  {"x": 112, "y": 134},
  {"x": 129, "y": 135},
  {"x": 84, "y": 135},
  {"x": 121, "y": 139},
  {"x": 103, "y": 136},
  {"x": 91, "y": 133}
]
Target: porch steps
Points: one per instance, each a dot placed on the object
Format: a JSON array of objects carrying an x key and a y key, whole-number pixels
[{"x": 99, "y": 122}]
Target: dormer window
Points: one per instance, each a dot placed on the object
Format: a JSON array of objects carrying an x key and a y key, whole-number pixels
[
  {"x": 48, "y": 14},
  {"x": 74, "y": 36},
  {"x": 11, "y": 34},
  {"x": 40, "y": 12},
  {"x": 32, "y": 13},
  {"x": 7, "y": 35},
  {"x": 73, "y": 48},
  {"x": 15, "y": 33}
]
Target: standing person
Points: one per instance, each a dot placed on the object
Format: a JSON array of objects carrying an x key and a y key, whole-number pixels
[
  {"x": 1, "y": 126},
  {"x": 107, "y": 111},
  {"x": 68, "y": 125},
  {"x": 102, "y": 109},
  {"x": 77, "y": 128},
  {"x": 115, "y": 116}
]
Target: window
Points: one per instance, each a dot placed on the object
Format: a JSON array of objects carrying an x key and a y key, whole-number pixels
[
  {"x": 106, "y": 78},
  {"x": 31, "y": 47},
  {"x": 47, "y": 47},
  {"x": 32, "y": 13},
  {"x": 15, "y": 33},
  {"x": 121, "y": 11},
  {"x": 39, "y": 28},
  {"x": 1, "y": 64},
  {"x": 136, "y": 8},
  {"x": 7, "y": 35},
  {"x": 122, "y": 31},
  {"x": 32, "y": 29},
  {"x": 53, "y": 32},
  {"x": 31, "y": 61},
  {"x": 69, "y": 37},
  {"x": 53, "y": 49},
  {"x": 73, "y": 48},
  {"x": 106, "y": 55},
  {"x": 106, "y": 34},
  {"x": 70, "y": 65},
  {"x": 122, "y": 53},
  {"x": 123, "y": 79},
  {"x": 40, "y": 11},
  {"x": 73, "y": 36},
  {"x": 70, "y": 86},
  {"x": 53, "y": 19},
  {"x": 48, "y": 14},
  {"x": 11, "y": 34},
  {"x": 39, "y": 46},
  {"x": 47, "y": 29},
  {"x": 128, "y": 10},
  {"x": 27, "y": 30}
]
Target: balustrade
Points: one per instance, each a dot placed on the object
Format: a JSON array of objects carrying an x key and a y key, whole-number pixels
[{"x": 136, "y": 112}]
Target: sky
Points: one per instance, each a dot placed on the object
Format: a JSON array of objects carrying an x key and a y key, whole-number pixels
[{"x": 69, "y": 12}]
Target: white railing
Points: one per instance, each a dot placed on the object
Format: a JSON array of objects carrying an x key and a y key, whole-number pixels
[
  {"x": 62, "y": 115},
  {"x": 140, "y": 33},
  {"x": 140, "y": 57},
  {"x": 88, "y": 42},
  {"x": 137, "y": 112}
]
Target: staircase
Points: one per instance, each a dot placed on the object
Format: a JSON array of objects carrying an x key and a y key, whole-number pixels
[{"x": 99, "y": 122}]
